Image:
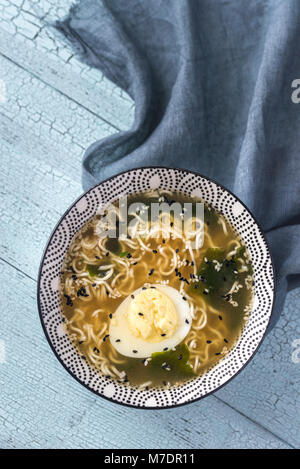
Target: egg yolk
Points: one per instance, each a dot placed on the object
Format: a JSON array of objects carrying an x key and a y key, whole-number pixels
[{"x": 152, "y": 316}]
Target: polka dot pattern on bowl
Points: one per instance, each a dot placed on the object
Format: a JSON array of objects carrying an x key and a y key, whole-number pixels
[{"x": 135, "y": 181}]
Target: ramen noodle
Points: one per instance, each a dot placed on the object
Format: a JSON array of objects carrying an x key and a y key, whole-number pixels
[{"x": 157, "y": 305}]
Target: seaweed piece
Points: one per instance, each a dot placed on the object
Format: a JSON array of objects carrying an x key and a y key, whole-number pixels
[
  {"x": 94, "y": 271},
  {"x": 216, "y": 274},
  {"x": 124, "y": 254},
  {"x": 173, "y": 364},
  {"x": 113, "y": 245}
]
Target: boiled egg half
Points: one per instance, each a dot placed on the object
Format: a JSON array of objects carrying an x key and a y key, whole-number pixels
[{"x": 152, "y": 319}]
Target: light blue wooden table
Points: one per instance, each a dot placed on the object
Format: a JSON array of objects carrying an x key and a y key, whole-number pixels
[{"x": 51, "y": 108}]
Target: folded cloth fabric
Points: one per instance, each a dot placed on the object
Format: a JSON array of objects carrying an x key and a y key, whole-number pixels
[{"x": 212, "y": 85}]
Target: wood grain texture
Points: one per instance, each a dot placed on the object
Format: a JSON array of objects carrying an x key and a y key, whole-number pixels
[
  {"x": 268, "y": 390},
  {"x": 42, "y": 145},
  {"x": 55, "y": 108},
  {"x": 28, "y": 39}
]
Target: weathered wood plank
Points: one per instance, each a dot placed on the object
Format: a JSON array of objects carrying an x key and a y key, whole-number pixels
[
  {"x": 49, "y": 114},
  {"x": 268, "y": 390},
  {"x": 27, "y": 39},
  {"x": 41, "y": 406},
  {"x": 41, "y": 147}
]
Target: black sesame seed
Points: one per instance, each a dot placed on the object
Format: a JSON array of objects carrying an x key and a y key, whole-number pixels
[
  {"x": 81, "y": 342},
  {"x": 171, "y": 224},
  {"x": 82, "y": 292},
  {"x": 163, "y": 335},
  {"x": 118, "y": 340},
  {"x": 180, "y": 357},
  {"x": 135, "y": 263},
  {"x": 134, "y": 351},
  {"x": 226, "y": 341},
  {"x": 129, "y": 256},
  {"x": 163, "y": 241},
  {"x": 184, "y": 298},
  {"x": 110, "y": 315},
  {"x": 208, "y": 341},
  {"x": 141, "y": 314},
  {"x": 220, "y": 317},
  {"x": 151, "y": 272},
  {"x": 165, "y": 349},
  {"x": 69, "y": 301},
  {"x": 187, "y": 321},
  {"x": 144, "y": 288},
  {"x": 107, "y": 254},
  {"x": 154, "y": 251},
  {"x": 192, "y": 263},
  {"x": 177, "y": 250},
  {"x": 105, "y": 337},
  {"x": 218, "y": 353},
  {"x": 132, "y": 296},
  {"x": 94, "y": 284}
]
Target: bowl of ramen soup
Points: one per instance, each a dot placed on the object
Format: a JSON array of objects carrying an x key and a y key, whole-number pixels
[{"x": 156, "y": 287}]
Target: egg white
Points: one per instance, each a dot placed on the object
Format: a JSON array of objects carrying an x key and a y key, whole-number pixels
[{"x": 130, "y": 346}]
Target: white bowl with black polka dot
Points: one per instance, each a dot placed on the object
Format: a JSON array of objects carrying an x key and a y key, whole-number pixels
[{"x": 132, "y": 182}]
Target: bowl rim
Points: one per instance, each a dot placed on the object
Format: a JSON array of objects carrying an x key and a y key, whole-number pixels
[{"x": 274, "y": 287}]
